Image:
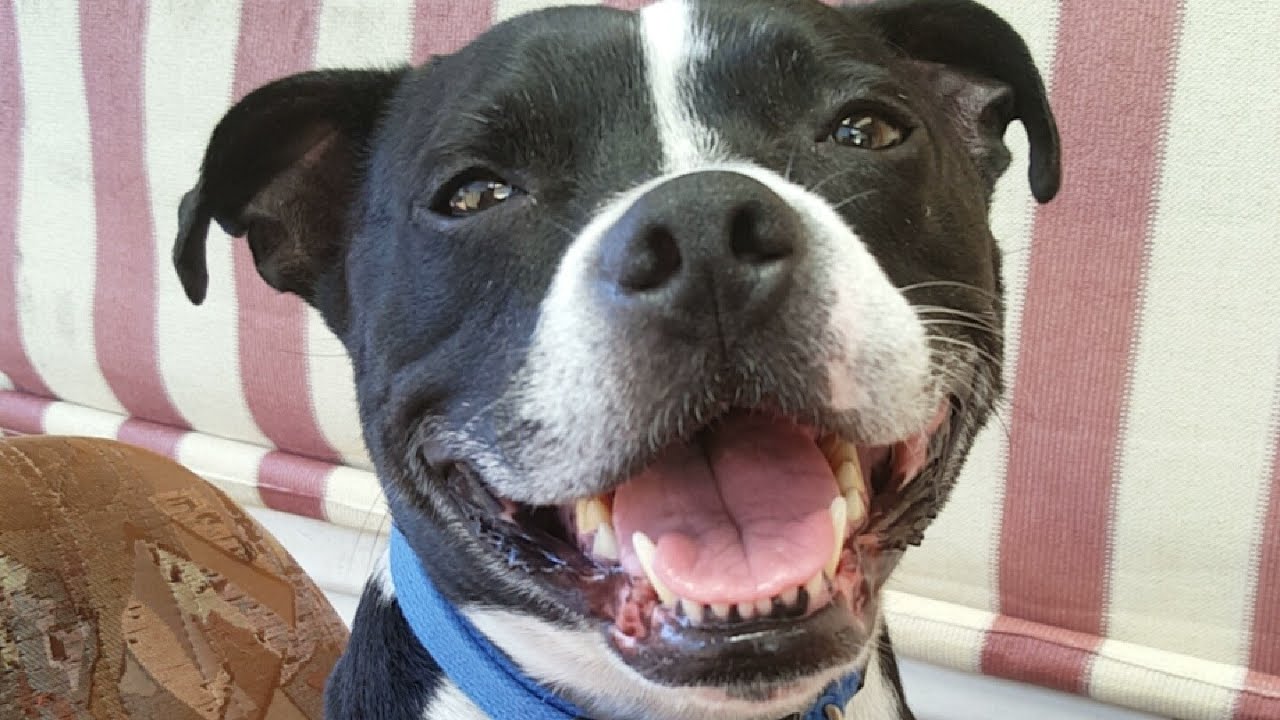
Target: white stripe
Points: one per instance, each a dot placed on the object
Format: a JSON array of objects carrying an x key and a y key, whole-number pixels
[
  {"x": 231, "y": 466},
  {"x": 958, "y": 563},
  {"x": 357, "y": 34},
  {"x": 353, "y": 498},
  {"x": 69, "y": 419},
  {"x": 1195, "y": 459},
  {"x": 333, "y": 393},
  {"x": 673, "y": 46},
  {"x": 197, "y": 347},
  {"x": 938, "y": 632},
  {"x": 57, "y": 247},
  {"x": 504, "y": 9},
  {"x": 1166, "y": 683}
]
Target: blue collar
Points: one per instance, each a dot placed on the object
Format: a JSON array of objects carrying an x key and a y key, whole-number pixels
[{"x": 485, "y": 674}]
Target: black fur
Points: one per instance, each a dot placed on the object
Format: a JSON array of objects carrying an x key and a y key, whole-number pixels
[{"x": 384, "y": 673}]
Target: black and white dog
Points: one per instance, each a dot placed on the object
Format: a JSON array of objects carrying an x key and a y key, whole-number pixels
[{"x": 671, "y": 331}]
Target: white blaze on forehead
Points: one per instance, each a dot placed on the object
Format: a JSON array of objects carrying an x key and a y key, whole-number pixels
[{"x": 674, "y": 45}]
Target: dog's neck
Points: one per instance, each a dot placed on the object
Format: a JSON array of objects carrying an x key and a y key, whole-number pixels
[{"x": 482, "y": 678}]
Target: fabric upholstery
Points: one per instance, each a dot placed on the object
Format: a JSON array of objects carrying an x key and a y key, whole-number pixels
[
  {"x": 129, "y": 587},
  {"x": 1117, "y": 531}
]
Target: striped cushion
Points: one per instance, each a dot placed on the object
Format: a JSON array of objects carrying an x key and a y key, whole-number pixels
[{"x": 1117, "y": 532}]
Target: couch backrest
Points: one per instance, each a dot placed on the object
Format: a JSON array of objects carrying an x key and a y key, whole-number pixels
[{"x": 1117, "y": 531}]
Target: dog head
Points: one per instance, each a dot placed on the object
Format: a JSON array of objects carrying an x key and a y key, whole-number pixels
[{"x": 671, "y": 329}]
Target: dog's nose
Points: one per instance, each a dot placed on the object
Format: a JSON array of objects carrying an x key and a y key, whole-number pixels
[{"x": 708, "y": 250}]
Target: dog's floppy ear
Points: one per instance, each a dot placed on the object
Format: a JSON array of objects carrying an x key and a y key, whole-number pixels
[
  {"x": 281, "y": 169},
  {"x": 985, "y": 72}
]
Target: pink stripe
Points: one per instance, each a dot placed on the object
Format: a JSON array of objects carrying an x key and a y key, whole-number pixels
[
  {"x": 628, "y": 4},
  {"x": 1037, "y": 654},
  {"x": 22, "y": 413},
  {"x": 14, "y": 361},
  {"x": 440, "y": 28},
  {"x": 276, "y": 39},
  {"x": 112, "y": 33},
  {"x": 293, "y": 484},
  {"x": 1111, "y": 84},
  {"x": 152, "y": 436},
  {"x": 1262, "y": 696}
]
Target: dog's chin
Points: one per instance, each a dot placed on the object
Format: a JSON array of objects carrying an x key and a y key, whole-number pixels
[{"x": 644, "y": 563}]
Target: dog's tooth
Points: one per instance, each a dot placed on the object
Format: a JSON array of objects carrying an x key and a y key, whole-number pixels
[
  {"x": 857, "y": 510},
  {"x": 693, "y": 611},
  {"x": 850, "y": 479},
  {"x": 764, "y": 607},
  {"x": 590, "y": 513},
  {"x": 645, "y": 551},
  {"x": 839, "y": 525},
  {"x": 789, "y": 597},
  {"x": 814, "y": 587},
  {"x": 605, "y": 544},
  {"x": 721, "y": 610},
  {"x": 747, "y": 610}
]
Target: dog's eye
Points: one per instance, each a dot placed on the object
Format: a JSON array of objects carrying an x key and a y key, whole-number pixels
[
  {"x": 475, "y": 195},
  {"x": 868, "y": 132}
]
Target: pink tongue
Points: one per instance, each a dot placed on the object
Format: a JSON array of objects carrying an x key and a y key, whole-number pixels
[{"x": 741, "y": 517}]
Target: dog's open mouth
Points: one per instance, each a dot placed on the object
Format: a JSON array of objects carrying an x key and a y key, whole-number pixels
[{"x": 758, "y": 539}]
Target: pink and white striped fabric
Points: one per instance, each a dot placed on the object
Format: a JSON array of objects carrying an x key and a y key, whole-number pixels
[{"x": 1117, "y": 531}]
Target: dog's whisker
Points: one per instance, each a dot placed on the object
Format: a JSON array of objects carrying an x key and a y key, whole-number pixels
[
  {"x": 855, "y": 197},
  {"x": 986, "y": 317},
  {"x": 986, "y": 354},
  {"x": 837, "y": 174},
  {"x": 995, "y": 332},
  {"x": 568, "y": 233},
  {"x": 949, "y": 284}
]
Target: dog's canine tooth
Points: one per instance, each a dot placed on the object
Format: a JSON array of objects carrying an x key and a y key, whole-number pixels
[
  {"x": 645, "y": 550},
  {"x": 839, "y": 525},
  {"x": 857, "y": 511},
  {"x": 850, "y": 478},
  {"x": 591, "y": 512},
  {"x": 693, "y": 611},
  {"x": 721, "y": 610},
  {"x": 605, "y": 544}
]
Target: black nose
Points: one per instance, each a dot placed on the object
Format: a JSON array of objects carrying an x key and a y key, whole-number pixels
[{"x": 704, "y": 251}]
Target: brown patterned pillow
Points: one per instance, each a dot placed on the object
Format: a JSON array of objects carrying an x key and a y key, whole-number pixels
[{"x": 130, "y": 588}]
